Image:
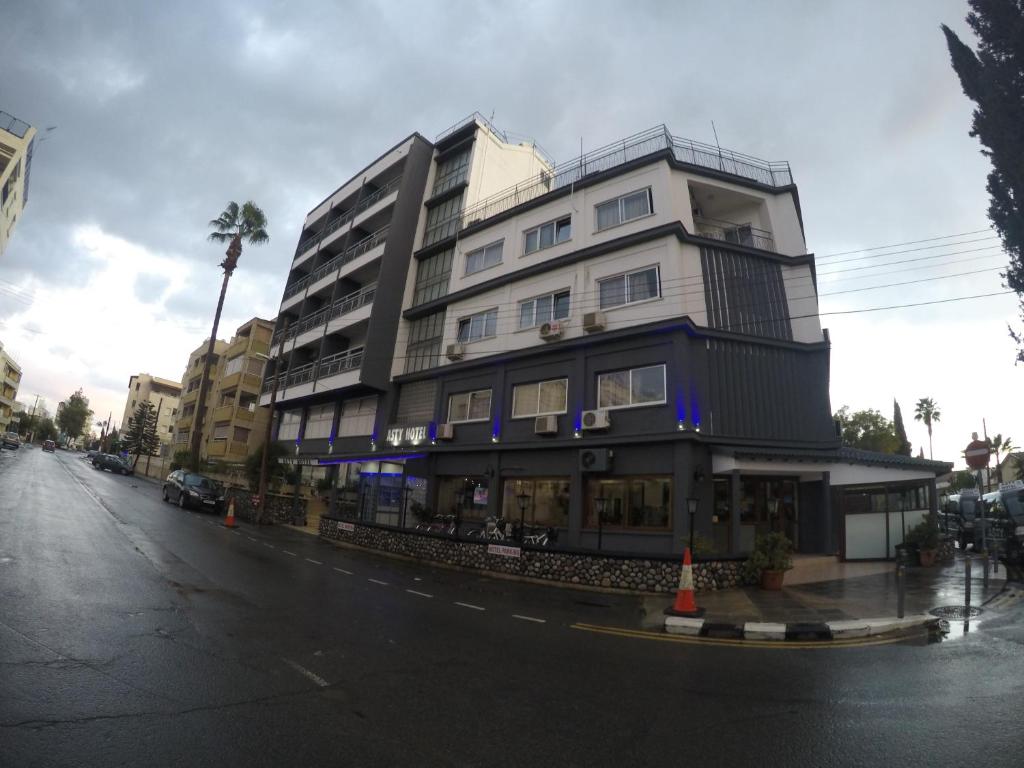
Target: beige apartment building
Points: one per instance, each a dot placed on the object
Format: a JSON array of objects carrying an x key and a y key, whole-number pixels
[
  {"x": 9, "y": 383},
  {"x": 233, "y": 422},
  {"x": 164, "y": 395},
  {"x": 17, "y": 141}
]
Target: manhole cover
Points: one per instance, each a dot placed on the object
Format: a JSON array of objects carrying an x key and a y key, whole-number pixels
[{"x": 956, "y": 612}]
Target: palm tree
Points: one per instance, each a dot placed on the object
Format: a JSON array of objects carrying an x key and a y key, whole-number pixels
[
  {"x": 1000, "y": 445},
  {"x": 928, "y": 412},
  {"x": 235, "y": 224}
]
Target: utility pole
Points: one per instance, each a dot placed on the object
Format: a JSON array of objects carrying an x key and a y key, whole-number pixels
[{"x": 159, "y": 409}]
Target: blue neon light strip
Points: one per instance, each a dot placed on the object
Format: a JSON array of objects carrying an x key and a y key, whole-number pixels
[{"x": 325, "y": 462}]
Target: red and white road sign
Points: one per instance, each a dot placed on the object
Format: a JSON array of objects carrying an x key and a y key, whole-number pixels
[{"x": 977, "y": 454}]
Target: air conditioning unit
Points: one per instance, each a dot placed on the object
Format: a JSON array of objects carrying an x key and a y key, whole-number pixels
[
  {"x": 252, "y": 407},
  {"x": 455, "y": 351},
  {"x": 595, "y": 460},
  {"x": 593, "y": 321},
  {"x": 545, "y": 425},
  {"x": 595, "y": 419},
  {"x": 445, "y": 432},
  {"x": 549, "y": 331}
]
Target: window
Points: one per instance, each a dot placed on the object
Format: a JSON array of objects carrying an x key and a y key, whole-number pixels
[
  {"x": 637, "y": 386},
  {"x": 241, "y": 435},
  {"x": 424, "y": 342},
  {"x": 221, "y": 431},
  {"x": 629, "y": 288},
  {"x": 623, "y": 209},
  {"x": 539, "y": 398},
  {"x": 319, "y": 421},
  {"x": 483, "y": 258},
  {"x": 549, "y": 234},
  {"x": 543, "y": 309},
  {"x": 234, "y": 365},
  {"x": 288, "y": 427},
  {"x": 432, "y": 274},
  {"x": 631, "y": 502},
  {"x": 451, "y": 171},
  {"x": 254, "y": 366},
  {"x": 548, "y": 504},
  {"x": 470, "y": 406},
  {"x": 482, "y": 325},
  {"x": 443, "y": 220},
  {"x": 357, "y": 416}
]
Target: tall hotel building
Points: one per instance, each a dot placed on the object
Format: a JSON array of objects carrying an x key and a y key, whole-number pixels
[{"x": 599, "y": 346}]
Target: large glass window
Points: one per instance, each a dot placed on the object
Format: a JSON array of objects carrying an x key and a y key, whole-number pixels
[
  {"x": 288, "y": 428},
  {"x": 432, "y": 276},
  {"x": 482, "y": 325},
  {"x": 633, "y": 387},
  {"x": 357, "y": 416},
  {"x": 543, "y": 309},
  {"x": 234, "y": 365},
  {"x": 631, "y": 502},
  {"x": 470, "y": 406},
  {"x": 623, "y": 209},
  {"x": 443, "y": 220},
  {"x": 424, "y": 346},
  {"x": 483, "y": 258},
  {"x": 451, "y": 170},
  {"x": 539, "y": 398},
  {"x": 319, "y": 421},
  {"x": 547, "y": 505},
  {"x": 547, "y": 235},
  {"x": 629, "y": 288},
  {"x": 464, "y": 497}
]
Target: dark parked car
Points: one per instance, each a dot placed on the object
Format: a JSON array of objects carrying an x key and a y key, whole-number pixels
[
  {"x": 49, "y": 445},
  {"x": 114, "y": 463},
  {"x": 192, "y": 490},
  {"x": 11, "y": 440}
]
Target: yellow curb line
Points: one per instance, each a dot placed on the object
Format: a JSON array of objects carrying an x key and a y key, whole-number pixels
[{"x": 729, "y": 642}]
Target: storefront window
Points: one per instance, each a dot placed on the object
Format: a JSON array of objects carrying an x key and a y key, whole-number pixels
[
  {"x": 548, "y": 504},
  {"x": 464, "y": 497},
  {"x": 757, "y": 495},
  {"x": 631, "y": 502}
]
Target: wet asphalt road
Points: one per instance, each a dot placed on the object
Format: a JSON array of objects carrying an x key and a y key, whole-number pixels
[{"x": 133, "y": 633}]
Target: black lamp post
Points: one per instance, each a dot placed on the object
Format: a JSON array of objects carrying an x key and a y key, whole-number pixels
[
  {"x": 599, "y": 504},
  {"x": 523, "y": 500},
  {"x": 691, "y": 507}
]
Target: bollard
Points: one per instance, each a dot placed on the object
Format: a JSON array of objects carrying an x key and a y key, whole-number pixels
[
  {"x": 901, "y": 588},
  {"x": 967, "y": 581}
]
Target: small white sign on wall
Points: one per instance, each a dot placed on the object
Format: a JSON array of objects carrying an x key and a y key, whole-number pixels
[
  {"x": 347, "y": 527},
  {"x": 502, "y": 550}
]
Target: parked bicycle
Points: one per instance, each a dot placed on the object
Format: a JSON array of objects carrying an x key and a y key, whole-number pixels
[
  {"x": 539, "y": 537},
  {"x": 444, "y": 524},
  {"x": 493, "y": 529}
]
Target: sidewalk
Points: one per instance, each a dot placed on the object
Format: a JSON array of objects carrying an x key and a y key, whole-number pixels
[{"x": 853, "y": 597}]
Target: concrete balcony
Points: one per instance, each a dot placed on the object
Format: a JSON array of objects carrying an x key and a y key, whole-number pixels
[
  {"x": 731, "y": 232},
  {"x": 330, "y": 373},
  {"x": 230, "y": 450},
  {"x": 189, "y": 397},
  {"x": 234, "y": 414},
  {"x": 183, "y": 423},
  {"x": 343, "y": 312}
]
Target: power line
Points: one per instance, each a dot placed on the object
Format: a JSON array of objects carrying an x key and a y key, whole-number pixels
[{"x": 909, "y": 242}]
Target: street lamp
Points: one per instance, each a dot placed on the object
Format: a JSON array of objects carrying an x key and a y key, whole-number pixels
[
  {"x": 599, "y": 505},
  {"x": 522, "y": 499},
  {"x": 691, "y": 507}
]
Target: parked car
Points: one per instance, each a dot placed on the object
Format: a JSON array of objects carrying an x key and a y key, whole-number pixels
[
  {"x": 11, "y": 440},
  {"x": 114, "y": 463},
  {"x": 192, "y": 490},
  {"x": 49, "y": 445},
  {"x": 90, "y": 455}
]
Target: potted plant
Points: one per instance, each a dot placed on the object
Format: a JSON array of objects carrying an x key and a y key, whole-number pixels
[
  {"x": 771, "y": 558},
  {"x": 925, "y": 538}
]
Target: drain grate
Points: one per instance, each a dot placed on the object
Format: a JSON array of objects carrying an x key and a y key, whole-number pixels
[{"x": 956, "y": 612}]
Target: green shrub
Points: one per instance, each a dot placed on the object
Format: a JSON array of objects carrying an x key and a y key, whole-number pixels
[{"x": 772, "y": 552}]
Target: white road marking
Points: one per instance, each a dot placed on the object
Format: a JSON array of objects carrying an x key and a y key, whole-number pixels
[
  {"x": 268, "y": 545},
  {"x": 306, "y": 673},
  {"x": 416, "y": 578},
  {"x": 421, "y": 594},
  {"x": 529, "y": 618},
  {"x": 251, "y": 539},
  {"x": 342, "y": 570},
  {"x": 470, "y": 605},
  {"x": 314, "y": 562},
  {"x": 289, "y": 553},
  {"x": 378, "y": 581}
]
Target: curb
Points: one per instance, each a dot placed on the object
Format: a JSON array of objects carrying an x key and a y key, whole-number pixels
[{"x": 800, "y": 631}]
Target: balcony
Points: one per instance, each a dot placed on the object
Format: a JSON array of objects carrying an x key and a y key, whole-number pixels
[
  {"x": 190, "y": 397},
  {"x": 331, "y": 365},
  {"x": 653, "y": 141},
  {"x": 183, "y": 423},
  {"x": 349, "y": 254},
  {"x": 730, "y": 232},
  {"x": 364, "y": 204},
  {"x": 230, "y": 449},
  {"x": 342, "y": 306}
]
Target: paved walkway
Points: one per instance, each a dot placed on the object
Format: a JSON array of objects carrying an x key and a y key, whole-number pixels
[{"x": 855, "y": 597}]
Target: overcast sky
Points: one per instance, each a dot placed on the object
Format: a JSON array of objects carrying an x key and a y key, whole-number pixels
[{"x": 164, "y": 112}]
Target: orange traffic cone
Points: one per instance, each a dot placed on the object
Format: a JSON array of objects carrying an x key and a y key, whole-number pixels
[
  {"x": 685, "y": 605},
  {"x": 229, "y": 521}
]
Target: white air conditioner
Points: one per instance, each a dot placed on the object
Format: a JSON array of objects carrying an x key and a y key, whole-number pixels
[
  {"x": 550, "y": 331},
  {"x": 445, "y": 432},
  {"x": 455, "y": 351},
  {"x": 593, "y": 321},
  {"x": 252, "y": 407},
  {"x": 545, "y": 425},
  {"x": 596, "y": 419}
]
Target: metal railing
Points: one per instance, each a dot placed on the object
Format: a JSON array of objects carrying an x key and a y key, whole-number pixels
[
  {"x": 658, "y": 139},
  {"x": 352, "y": 252},
  {"x": 347, "y": 303},
  {"x": 367, "y": 202},
  {"x": 348, "y": 360},
  {"x": 301, "y": 375},
  {"x": 731, "y": 232},
  {"x": 475, "y": 117}
]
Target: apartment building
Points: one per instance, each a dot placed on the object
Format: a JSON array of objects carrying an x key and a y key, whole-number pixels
[
  {"x": 17, "y": 142},
  {"x": 10, "y": 380},
  {"x": 190, "y": 381},
  {"x": 604, "y": 346},
  {"x": 164, "y": 395}
]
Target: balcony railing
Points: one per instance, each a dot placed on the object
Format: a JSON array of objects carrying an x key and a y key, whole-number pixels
[
  {"x": 730, "y": 232},
  {"x": 352, "y": 252},
  {"x": 349, "y": 360},
  {"x": 342, "y": 306},
  {"x": 367, "y": 202},
  {"x": 773, "y": 174},
  {"x": 301, "y": 375}
]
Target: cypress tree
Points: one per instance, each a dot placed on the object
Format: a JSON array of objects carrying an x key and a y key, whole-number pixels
[
  {"x": 993, "y": 78},
  {"x": 901, "y": 433}
]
